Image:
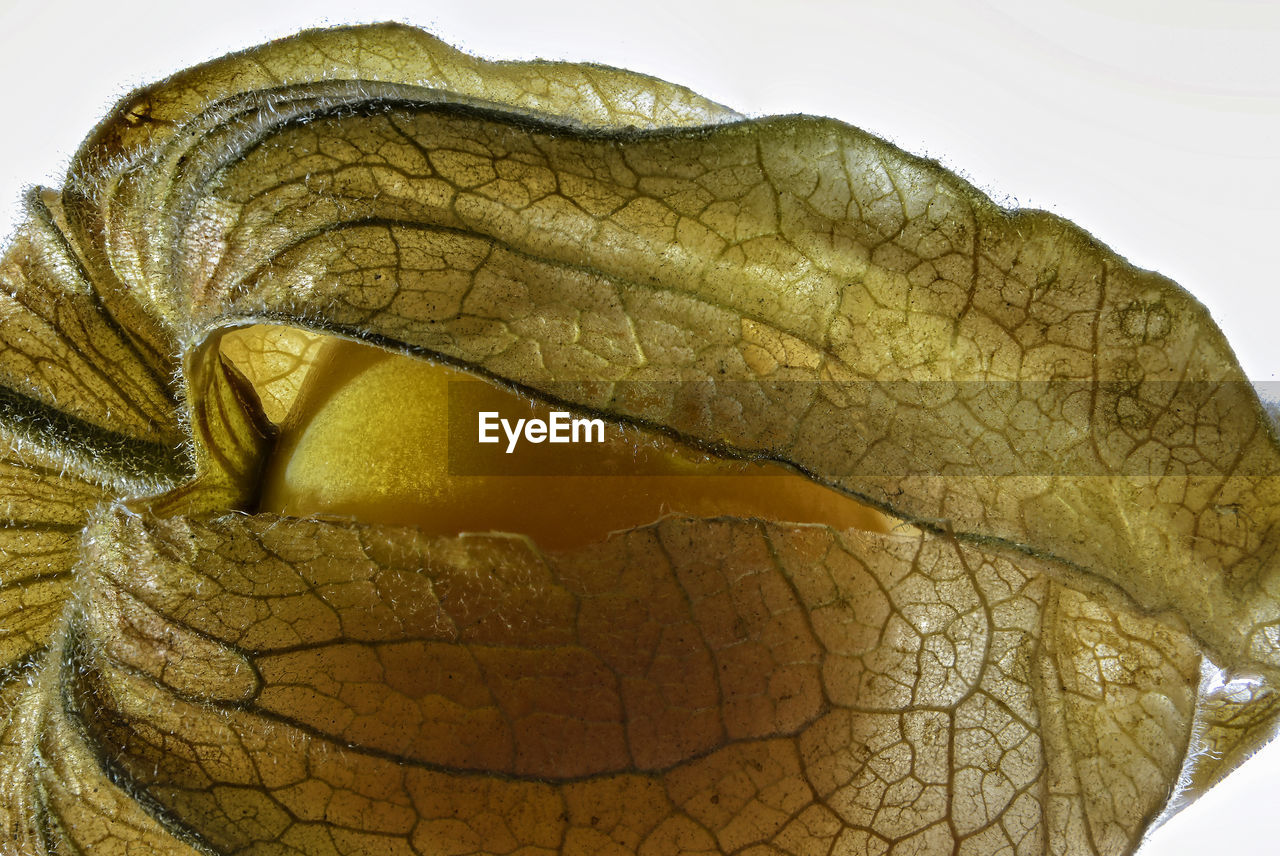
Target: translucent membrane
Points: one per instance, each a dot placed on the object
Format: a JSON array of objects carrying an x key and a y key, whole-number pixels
[{"x": 367, "y": 434}]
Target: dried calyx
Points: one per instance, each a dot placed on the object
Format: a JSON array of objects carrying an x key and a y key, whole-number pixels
[{"x": 256, "y": 651}]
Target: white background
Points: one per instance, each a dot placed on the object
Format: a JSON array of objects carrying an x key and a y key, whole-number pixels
[{"x": 1154, "y": 124}]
